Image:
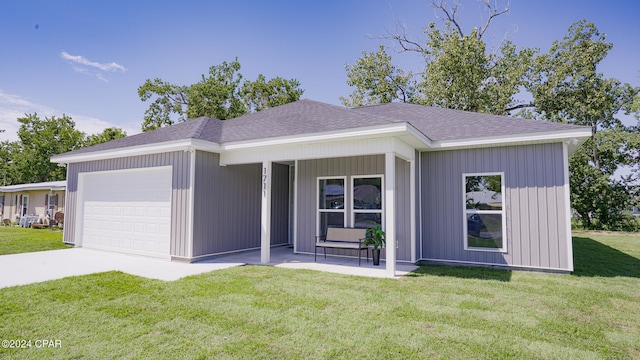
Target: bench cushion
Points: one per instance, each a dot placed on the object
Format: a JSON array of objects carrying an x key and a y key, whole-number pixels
[{"x": 341, "y": 245}]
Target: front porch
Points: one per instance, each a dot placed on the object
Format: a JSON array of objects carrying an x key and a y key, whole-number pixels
[
  {"x": 295, "y": 177},
  {"x": 283, "y": 256}
]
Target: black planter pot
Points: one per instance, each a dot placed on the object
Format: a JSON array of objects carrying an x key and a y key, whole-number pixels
[{"x": 375, "y": 253}]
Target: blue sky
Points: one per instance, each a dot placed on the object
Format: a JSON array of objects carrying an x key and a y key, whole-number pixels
[{"x": 87, "y": 59}]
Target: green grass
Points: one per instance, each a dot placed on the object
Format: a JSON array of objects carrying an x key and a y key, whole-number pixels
[
  {"x": 15, "y": 240},
  {"x": 267, "y": 312}
]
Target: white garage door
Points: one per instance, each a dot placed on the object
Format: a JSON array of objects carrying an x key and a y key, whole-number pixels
[{"x": 126, "y": 211}]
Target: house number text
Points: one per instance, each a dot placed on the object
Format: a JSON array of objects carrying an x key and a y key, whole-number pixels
[{"x": 264, "y": 181}]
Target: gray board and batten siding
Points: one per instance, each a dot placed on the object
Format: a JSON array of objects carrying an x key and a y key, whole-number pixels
[
  {"x": 534, "y": 204},
  {"x": 227, "y": 203},
  {"x": 280, "y": 201},
  {"x": 178, "y": 160},
  {"x": 308, "y": 172},
  {"x": 226, "y": 206}
]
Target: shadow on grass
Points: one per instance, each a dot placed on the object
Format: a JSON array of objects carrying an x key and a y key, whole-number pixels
[
  {"x": 463, "y": 272},
  {"x": 592, "y": 258}
]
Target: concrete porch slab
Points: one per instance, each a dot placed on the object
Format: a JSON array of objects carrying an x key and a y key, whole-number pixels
[
  {"x": 284, "y": 257},
  {"x": 28, "y": 268}
]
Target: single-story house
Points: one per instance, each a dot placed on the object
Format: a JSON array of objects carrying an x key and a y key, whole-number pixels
[
  {"x": 447, "y": 186},
  {"x": 32, "y": 199}
]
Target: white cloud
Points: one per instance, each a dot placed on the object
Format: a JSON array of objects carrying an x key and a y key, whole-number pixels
[
  {"x": 79, "y": 59},
  {"x": 12, "y": 107},
  {"x": 85, "y": 66}
]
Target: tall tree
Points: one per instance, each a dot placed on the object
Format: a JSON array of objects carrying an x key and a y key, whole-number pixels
[
  {"x": 27, "y": 160},
  {"x": 460, "y": 72},
  {"x": 9, "y": 150},
  {"x": 39, "y": 140},
  {"x": 222, "y": 94},
  {"x": 564, "y": 85},
  {"x": 261, "y": 94},
  {"x": 377, "y": 81},
  {"x": 567, "y": 87}
]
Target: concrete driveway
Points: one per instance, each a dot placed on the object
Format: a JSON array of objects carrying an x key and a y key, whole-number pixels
[{"x": 27, "y": 268}]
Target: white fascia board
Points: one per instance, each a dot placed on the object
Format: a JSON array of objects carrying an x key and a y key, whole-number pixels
[
  {"x": 50, "y": 186},
  {"x": 155, "y": 148},
  {"x": 419, "y": 136},
  {"x": 40, "y": 188},
  {"x": 579, "y": 134},
  {"x": 362, "y": 132}
]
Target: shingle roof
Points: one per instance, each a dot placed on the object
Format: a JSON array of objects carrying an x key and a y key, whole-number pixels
[
  {"x": 184, "y": 130},
  {"x": 445, "y": 124},
  {"x": 297, "y": 118},
  {"x": 309, "y": 116}
]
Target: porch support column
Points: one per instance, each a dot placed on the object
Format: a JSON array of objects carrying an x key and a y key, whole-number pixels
[
  {"x": 265, "y": 218},
  {"x": 390, "y": 211},
  {"x": 412, "y": 210}
]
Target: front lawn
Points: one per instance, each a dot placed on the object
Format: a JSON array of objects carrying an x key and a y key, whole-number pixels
[
  {"x": 267, "y": 312},
  {"x": 15, "y": 240}
]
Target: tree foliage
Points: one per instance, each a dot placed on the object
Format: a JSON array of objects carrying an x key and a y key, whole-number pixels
[
  {"x": 567, "y": 87},
  {"x": 222, "y": 94},
  {"x": 108, "y": 134},
  {"x": 460, "y": 73},
  {"x": 563, "y": 85},
  {"x": 262, "y": 94},
  {"x": 377, "y": 81},
  {"x": 40, "y": 139},
  {"x": 27, "y": 160},
  {"x": 599, "y": 199}
]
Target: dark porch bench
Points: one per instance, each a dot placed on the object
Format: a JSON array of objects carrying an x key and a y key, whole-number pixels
[{"x": 342, "y": 238}]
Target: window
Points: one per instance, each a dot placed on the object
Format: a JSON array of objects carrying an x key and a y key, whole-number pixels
[
  {"x": 350, "y": 202},
  {"x": 484, "y": 216},
  {"x": 367, "y": 201},
  {"x": 331, "y": 201},
  {"x": 25, "y": 205},
  {"x": 53, "y": 199}
]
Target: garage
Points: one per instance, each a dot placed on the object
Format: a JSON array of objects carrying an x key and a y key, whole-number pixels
[{"x": 126, "y": 211}]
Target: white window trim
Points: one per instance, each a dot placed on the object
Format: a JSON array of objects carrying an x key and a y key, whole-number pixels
[
  {"x": 318, "y": 210},
  {"x": 465, "y": 211},
  {"x": 352, "y": 199}
]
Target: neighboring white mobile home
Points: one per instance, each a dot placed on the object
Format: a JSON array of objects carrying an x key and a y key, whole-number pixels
[{"x": 45, "y": 198}]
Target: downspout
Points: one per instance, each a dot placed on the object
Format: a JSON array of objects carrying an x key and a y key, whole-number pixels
[
  {"x": 567, "y": 201},
  {"x": 412, "y": 210}
]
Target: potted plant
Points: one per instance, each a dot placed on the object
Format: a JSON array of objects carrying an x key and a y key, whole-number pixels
[{"x": 376, "y": 237}]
